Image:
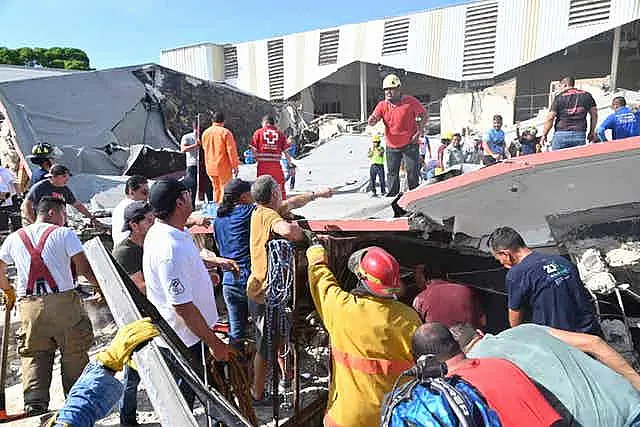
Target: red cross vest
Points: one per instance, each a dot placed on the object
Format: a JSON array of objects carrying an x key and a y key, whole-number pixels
[{"x": 38, "y": 270}]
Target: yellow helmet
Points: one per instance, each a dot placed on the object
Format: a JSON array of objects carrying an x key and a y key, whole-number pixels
[
  {"x": 376, "y": 138},
  {"x": 448, "y": 135},
  {"x": 391, "y": 82}
]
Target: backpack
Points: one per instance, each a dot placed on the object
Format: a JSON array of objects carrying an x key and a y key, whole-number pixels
[{"x": 440, "y": 402}]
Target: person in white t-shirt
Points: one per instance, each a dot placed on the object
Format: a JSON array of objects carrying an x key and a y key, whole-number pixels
[
  {"x": 136, "y": 189},
  {"x": 177, "y": 280},
  {"x": 7, "y": 186},
  {"x": 50, "y": 309}
]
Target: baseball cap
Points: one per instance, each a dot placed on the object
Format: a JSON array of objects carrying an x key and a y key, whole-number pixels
[
  {"x": 57, "y": 170},
  {"x": 164, "y": 193},
  {"x": 135, "y": 212},
  {"x": 236, "y": 187}
]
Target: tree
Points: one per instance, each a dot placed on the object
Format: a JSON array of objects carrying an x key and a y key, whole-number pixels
[{"x": 55, "y": 57}]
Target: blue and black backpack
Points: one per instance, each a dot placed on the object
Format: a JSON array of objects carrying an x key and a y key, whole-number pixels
[{"x": 427, "y": 401}]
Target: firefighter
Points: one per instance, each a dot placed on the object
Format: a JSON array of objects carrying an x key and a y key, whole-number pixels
[
  {"x": 368, "y": 359},
  {"x": 268, "y": 145}
]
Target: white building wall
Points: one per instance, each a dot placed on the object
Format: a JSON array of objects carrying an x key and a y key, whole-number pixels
[
  {"x": 527, "y": 30},
  {"x": 193, "y": 60}
]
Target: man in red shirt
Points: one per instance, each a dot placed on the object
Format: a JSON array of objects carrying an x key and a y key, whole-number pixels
[
  {"x": 268, "y": 145},
  {"x": 506, "y": 388},
  {"x": 404, "y": 119},
  {"x": 447, "y": 302}
]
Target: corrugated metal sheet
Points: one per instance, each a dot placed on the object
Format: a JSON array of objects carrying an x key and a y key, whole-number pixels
[
  {"x": 434, "y": 44},
  {"x": 193, "y": 60}
]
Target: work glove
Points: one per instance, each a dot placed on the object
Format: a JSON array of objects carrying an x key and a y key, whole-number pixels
[
  {"x": 9, "y": 298},
  {"x": 316, "y": 254},
  {"x": 312, "y": 237},
  {"x": 128, "y": 338}
]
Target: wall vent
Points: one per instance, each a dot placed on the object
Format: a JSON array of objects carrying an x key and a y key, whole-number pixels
[
  {"x": 230, "y": 62},
  {"x": 328, "y": 51},
  {"x": 481, "y": 22},
  {"x": 275, "y": 58},
  {"x": 584, "y": 12},
  {"x": 396, "y": 36}
]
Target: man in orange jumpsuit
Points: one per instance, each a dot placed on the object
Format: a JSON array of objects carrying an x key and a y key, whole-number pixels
[
  {"x": 220, "y": 155},
  {"x": 268, "y": 145}
]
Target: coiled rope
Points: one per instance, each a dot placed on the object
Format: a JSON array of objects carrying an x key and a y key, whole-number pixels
[{"x": 280, "y": 282}]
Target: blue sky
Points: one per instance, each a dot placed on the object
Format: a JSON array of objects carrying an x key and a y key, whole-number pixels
[{"x": 127, "y": 32}]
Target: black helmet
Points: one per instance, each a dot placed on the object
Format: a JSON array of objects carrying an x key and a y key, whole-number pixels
[{"x": 41, "y": 152}]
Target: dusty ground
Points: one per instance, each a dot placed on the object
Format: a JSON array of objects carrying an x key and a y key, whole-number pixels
[{"x": 313, "y": 361}]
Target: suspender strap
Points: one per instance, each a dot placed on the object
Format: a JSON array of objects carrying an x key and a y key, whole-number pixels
[{"x": 38, "y": 269}]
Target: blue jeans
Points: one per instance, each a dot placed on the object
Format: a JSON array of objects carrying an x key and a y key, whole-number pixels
[
  {"x": 234, "y": 292},
  {"x": 129, "y": 402},
  {"x": 567, "y": 139}
]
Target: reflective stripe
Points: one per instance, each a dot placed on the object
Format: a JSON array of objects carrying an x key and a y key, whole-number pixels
[
  {"x": 370, "y": 366},
  {"x": 268, "y": 156}
]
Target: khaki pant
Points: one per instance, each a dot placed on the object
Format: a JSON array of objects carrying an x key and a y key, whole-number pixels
[{"x": 50, "y": 322}]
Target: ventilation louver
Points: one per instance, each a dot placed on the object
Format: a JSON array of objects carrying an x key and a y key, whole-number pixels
[
  {"x": 396, "y": 36},
  {"x": 583, "y": 12},
  {"x": 480, "y": 41},
  {"x": 230, "y": 62},
  {"x": 275, "y": 58},
  {"x": 328, "y": 51}
]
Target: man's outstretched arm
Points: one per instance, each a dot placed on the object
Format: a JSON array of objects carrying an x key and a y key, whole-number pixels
[{"x": 598, "y": 348}]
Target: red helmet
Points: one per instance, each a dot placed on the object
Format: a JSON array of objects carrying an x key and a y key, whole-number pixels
[{"x": 377, "y": 270}]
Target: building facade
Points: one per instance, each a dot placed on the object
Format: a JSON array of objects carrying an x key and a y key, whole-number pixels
[{"x": 469, "y": 45}]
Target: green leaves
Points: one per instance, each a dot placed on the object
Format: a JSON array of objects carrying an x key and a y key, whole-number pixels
[{"x": 55, "y": 57}]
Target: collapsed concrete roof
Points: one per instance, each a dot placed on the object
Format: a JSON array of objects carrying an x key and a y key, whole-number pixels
[{"x": 95, "y": 118}]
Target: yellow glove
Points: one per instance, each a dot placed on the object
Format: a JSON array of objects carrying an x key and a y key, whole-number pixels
[
  {"x": 9, "y": 298},
  {"x": 316, "y": 255},
  {"x": 126, "y": 340}
]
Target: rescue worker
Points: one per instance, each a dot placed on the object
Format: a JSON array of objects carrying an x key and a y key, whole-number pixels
[
  {"x": 50, "y": 309},
  {"x": 138, "y": 218},
  {"x": 545, "y": 287},
  {"x": 569, "y": 111},
  {"x": 623, "y": 122},
  {"x": 220, "y": 155},
  {"x": 268, "y": 145},
  {"x": 97, "y": 390},
  {"x": 177, "y": 281},
  {"x": 267, "y": 221},
  {"x": 136, "y": 189},
  {"x": 370, "y": 333},
  {"x": 376, "y": 158},
  {"x": 55, "y": 186},
  {"x": 42, "y": 156},
  {"x": 404, "y": 119}
]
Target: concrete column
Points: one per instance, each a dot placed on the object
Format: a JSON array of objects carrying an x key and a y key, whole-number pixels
[
  {"x": 363, "y": 91},
  {"x": 615, "y": 55}
]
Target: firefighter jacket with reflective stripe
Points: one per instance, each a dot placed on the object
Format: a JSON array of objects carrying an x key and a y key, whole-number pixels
[{"x": 370, "y": 347}]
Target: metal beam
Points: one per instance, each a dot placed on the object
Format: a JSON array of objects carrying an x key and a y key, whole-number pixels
[
  {"x": 363, "y": 91},
  {"x": 615, "y": 56},
  {"x": 161, "y": 388}
]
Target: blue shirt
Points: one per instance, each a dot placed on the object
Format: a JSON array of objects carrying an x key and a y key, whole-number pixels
[
  {"x": 495, "y": 140},
  {"x": 232, "y": 237},
  {"x": 593, "y": 394},
  {"x": 38, "y": 175},
  {"x": 623, "y": 124},
  {"x": 549, "y": 287},
  {"x": 91, "y": 397}
]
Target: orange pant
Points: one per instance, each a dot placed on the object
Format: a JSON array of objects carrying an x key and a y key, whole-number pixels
[{"x": 218, "y": 183}]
